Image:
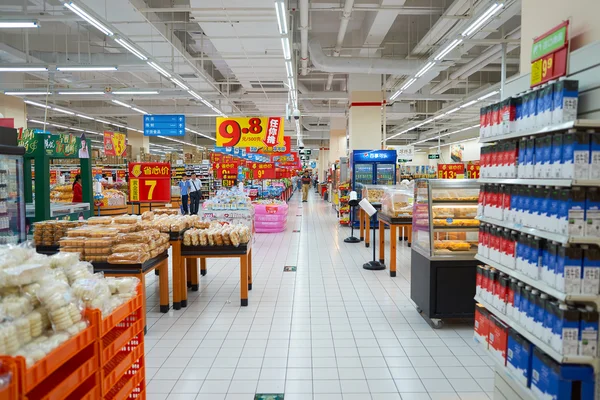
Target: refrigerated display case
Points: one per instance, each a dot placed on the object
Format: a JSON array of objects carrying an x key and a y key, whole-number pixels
[
  {"x": 12, "y": 198},
  {"x": 445, "y": 237}
]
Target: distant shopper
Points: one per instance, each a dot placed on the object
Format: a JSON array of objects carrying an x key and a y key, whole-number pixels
[
  {"x": 306, "y": 180},
  {"x": 299, "y": 182},
  {"x": 77, "y": 190},
  {"x": 195, "y": 193},
  {"x": 184, "y": 188}
]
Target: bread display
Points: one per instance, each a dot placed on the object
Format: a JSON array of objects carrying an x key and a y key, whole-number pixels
[
  {"x": 217, "y": 235},
  {"x": 455, "y": 222},
  {"x": 452, "y": 245},
  {"x": 397, "y": 202}
]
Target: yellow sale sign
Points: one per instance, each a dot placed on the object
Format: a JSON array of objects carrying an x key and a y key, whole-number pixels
[
  {"x": 257, "y": 132},
  {"x": 114, "y": 144}
]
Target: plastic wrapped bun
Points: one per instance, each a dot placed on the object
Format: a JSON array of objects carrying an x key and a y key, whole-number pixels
[
  {"x": 21, "y": 275},
  {"x": 54, "y": 295},
  {"x": 93, "y": 293},
  {"x": 62, "y": 260},
  {"x": 80, "y": 270}
]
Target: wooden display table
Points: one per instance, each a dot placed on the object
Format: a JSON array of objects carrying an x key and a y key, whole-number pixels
[
  {"x": 394, "y": 223},
  {"x": 110, "y": 211},
  {"x": 243, "y": 252},
  {"x": 179, "y": 280},
  {"x": 161, "y": 263}
]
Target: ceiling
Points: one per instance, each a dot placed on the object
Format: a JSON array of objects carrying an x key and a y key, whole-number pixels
[{"x": 229, "y": 53}]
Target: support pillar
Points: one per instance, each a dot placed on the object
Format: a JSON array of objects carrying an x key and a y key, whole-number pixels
[
  {"x": 337, "y": 139},
  {"x": 139, "y": 144},
  {"x": 14, "y": 107},
  {"x": 364, "y": 125}
]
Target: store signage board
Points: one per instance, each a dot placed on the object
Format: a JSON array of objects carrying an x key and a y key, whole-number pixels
[
  {"x": 164, "y": 125},
  {"x": 404, "y": 152},
  {"x": 262, "y": 170},
  {"x": 307, "y": 152},
  {"x": 384, "y": 156},
  {"x": 433, "y": 156},
  {"x": 150, "y": 182},
  {"x": 254, "y": 132},
  {"x": 304, "y": 157},
  {"x": 39, "y": 143},
  {"x": 115, "y": 144},
  {"x": 549, "y": 55},
  {"x": 451, "y": 171},
  {"x": 226, "y": 170},
  {"x": 473, "y": 171},
  {"x": 287, "y": 146}
]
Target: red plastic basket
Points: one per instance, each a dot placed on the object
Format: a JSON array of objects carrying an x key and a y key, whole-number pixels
[
  {"x": 88, "y": 390},
  {"x": 132, "y": 384},
  {"x": 122, "y": 362},
  {"x": 10, "y": 369}
]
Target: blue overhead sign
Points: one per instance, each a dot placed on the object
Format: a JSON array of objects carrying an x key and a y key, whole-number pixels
[
  {"x": 164, "y": 125},
  {"x": 380, "y": 156}
]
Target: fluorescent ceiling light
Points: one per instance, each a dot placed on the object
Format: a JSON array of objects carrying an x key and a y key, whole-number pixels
[
  {"x": 291, "y": 83},
  {"x": 93, "y": 21},
  {"x": 131, "y": 49},
  {"x": 448, "y": 49},
  {"x": 77, "y": 129},
  {"x": 102, "y": 121},
  {"x": 23, "y": 69},
  {"x": 93, "y": 133},
  {"x": 82, "y": 93},
  {"x": 85, "y": 68},
  {"x": 490, "y": 94},
  {"x": 426, "y": 68},
  {"x": 179, "y": 83},
  {"x": 138, "y": 110},
  {"x": 33, "y": 103},
  {"x": 141, "y": 92},
  {"x": 19, "y": 24},
  {"x": 483, "y": 18},
  {"x": 36, "y": 121},
  {"x": 285, "y": 44},
  {"x": 117, "y": 125},
  {"x": 407, "y": 84},
  {"x": 395, "y": 95},
  {"x": 195, "y": 95},
  {"x": 281, "y": 17},
  {"x": 60, "y": 110},
  {"x": 121, "y": 103},
  {"x": 438, "y": 117},
  {"x": 452, "y": 111},
  {"x": 159, "y": 69},
  {"x": 27, "y": 93},
  {"x": 179, "y": 141},
  {"x": 84, "y": 116},
  {"x": 470, "y": 103},
  {"x": 60, "y": 126},
  {"x": 459, "y": 141},
  {"x": 288, "y": 68}
]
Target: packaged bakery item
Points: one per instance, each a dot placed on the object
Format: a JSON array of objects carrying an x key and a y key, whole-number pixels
[
  {"x": 21, "y": 275},
  {"x": 203, "y": 237},
  {"x": 187, "y": 238},
  {"x": 125, "y": 228},
  {"x": 148, "y": 216},
  {"x": 102, "y": 232},
  {"x": 93, "y": 292},
  {"x": 126, "y": 219},
  {"x": 135, "y": 237},
  {"x": 99, "y": 221},
  {"x": 128, "y": 258},
  {"x": 79, "y": 270},
  {"x": 130, "y": 247},
  {"x": 234, "y": 236},
  {"x": 72, "y": 241}
]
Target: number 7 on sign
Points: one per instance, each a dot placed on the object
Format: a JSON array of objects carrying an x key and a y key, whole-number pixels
[{"x": 152, "y": 184}]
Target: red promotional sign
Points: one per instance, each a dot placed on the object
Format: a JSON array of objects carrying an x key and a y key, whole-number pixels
[
  {"x": 150, "y": 182},
  {"x": 549, "y": 55},
  {"x": 120, "y": 175},
  {"x": 226, "y": 170},
  {"x": 53, "y": 177},
  {"x": 216, "y": 157},
  {"x": 451, "y": 171},
  {"x": 114, "y": 144},
  {"x": 262, "y": 170},
  {"x": 287, "y": 145},
  {"x": 473, "y": 171}
]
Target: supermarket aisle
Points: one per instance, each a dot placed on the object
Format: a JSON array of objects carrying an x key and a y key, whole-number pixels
[{"x": 329, "y": 331}]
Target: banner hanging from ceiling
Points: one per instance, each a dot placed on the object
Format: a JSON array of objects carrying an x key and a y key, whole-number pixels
[
  {"x": 114, "y": 144},
  {"x": 255, "y": 132}
]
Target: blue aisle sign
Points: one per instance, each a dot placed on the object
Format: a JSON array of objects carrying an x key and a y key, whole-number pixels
[
  {"x": 313, "y": 164},
  {"x": 378, "y": 156},
  {"x": 164, "y": 125}
]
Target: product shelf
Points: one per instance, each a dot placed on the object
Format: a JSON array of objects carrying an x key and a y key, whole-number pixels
[
  {"x": 541, "y": 182},
  {"x": 578, "y": 123},
  {"x": 9, "y": 369},
  {"x": 537, "y": 342},
  {"x": 523, "y": 391},
  {"x": 580, "y": 298},
  {"x": 556, "y": 237}
]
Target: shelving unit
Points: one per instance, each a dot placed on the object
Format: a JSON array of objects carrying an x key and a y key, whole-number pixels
[
  {"x": 541, "y": 182},
  {"x": 578, "y": 123}
]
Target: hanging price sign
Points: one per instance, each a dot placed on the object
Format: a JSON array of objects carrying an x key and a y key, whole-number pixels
[
  {"x": 473, "y": 171},
  {"x": 256, "y": 132},
  {"x": 226, "y": 170},
  {"x": 150, "y": 182},
  {"x": 262, "y": 170},
  {"x": 451, "y": 171},
  {"x": 549, "y": 55}
]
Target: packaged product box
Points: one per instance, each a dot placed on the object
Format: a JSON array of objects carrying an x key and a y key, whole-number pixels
[
  {"x": 592, "y": 212},
  {"x": 508, "y": 115},
  {"x": 569, "y": 280},
  {"x": 521, "y": 160},
  {"x": 549, "y": 318},
  {"x": 539, "y": 117},
  {"x": 594, "y": 170},
  {"x": 565, "y": 102},
  {"x": 546, "y": 215},
  {"x": 518, "y": 100},
  {"x": 532, "y": 310},
  {"x": 526, "y": 123},
  {"x": 530, "y": 158},
  {"x": 548, "y": 104},
  {"x": 588, "y": 332},
  {"x": 557, "y": 156},
  {"x": 502, "y": 292},
  {"x": 535, "y": 257},
  {"x": 550, "y": 277},
  {"x": 524, "y": 306},
  {"x": 535, "y": 220},
  {"x": 491, "y": 285},
  {"x": 520, "y": 251},
  {"x": 590, "y": 277},
  {"x": 498, "y": 339},
  {"x": 534, "y": 98},
  {"x": 576, "y": 213},
  {"x": 547, "y": 157},
  {"x": 482, "y": 325},
  {"x": 540, "y": 314},
  {"x": 478, "y": 279},
  {"x": 496, "y": 127},
  {"x": 514, "y": 201},
  {"x": 510, "y": 297},
  {"x": 482, "y": 121},
  {"x": 518, "y": 294},
  {"x": 565, "y": 333},
  {"x": 484, "y": 282},
  {"x": 519, "y": 357},
  {"x": 551, "y": 380},
  {"x": 527, "y": 207},
  {"x": 538, "y": 157},
  {"x": 576, "y": 155}
]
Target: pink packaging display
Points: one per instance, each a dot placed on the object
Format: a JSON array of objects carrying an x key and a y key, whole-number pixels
[{"x": 270, "y": 218}]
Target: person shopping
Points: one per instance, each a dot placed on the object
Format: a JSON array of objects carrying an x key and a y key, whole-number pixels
[
  {"x": 184, "y": 188},
  {"x": 306, "y": 181},
  {"x": 77, "y": 190},
  {"x": 195, "y": 193}
]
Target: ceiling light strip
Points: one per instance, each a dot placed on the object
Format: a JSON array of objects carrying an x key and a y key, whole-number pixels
[
  {"x": 483, "y": 18},
  {"x": 157, "y": 67},
  {"x": 27, "y": 93},
  {"x": 93, "y": 21},
  {"x": 131, "y": 49},
  {"x": 19, "y": 24},
  {"x": 84, "y": 68}
]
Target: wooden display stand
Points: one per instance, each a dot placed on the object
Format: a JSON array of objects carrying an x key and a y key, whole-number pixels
[
  {"x": 394, "y": 223},
  {"x": 243, "y": 252},
  {"x": 179, "y": 281},
  {"x": 110, "y": 211}
]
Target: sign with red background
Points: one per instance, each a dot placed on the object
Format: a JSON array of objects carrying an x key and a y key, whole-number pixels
[
  {"x": 473, "y": 171},
  {"x": 451, "y": 171},
  {"x": 549, "y": 55},
  {"x": 226, "y": 170},
  {"x": 150, "y": 182},
  {"x": 262, "y": 170}
]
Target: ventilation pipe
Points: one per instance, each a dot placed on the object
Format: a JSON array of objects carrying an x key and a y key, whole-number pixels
[
  {"x": 346, "y": 13},
  {"x": 359, "y": 65},
  {"x": 304, "y": 37}
]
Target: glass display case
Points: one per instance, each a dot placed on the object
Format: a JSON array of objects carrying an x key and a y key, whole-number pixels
[
  {"x": 363, "y": 173},
  {"x": 385, "y": 174},
  {"x": 12, "y": 201},
  {"x": 373, "y": 193},
  {"x": 444, "y": 224},
  {"x": 397, "y": 202}
]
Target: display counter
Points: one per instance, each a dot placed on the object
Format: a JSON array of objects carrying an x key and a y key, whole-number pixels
[{"x": 60, "y": 210}]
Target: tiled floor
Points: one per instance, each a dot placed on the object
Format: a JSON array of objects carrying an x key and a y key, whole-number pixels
[{"x": 330, "y": 331}]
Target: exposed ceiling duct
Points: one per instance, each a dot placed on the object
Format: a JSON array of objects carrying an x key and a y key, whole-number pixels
[{"x": 352, "y": 65}]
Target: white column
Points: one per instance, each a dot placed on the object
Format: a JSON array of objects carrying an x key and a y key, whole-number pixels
[
  {"x": 138, "y": 142},
  {"x": 14, "y": 107},
  {"x": 364, "y": 125}
]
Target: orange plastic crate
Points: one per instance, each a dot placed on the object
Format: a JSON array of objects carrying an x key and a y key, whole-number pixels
[
  {"x": 117, "y": 316},
  {"x": 65, "y": 380},
  {"x": 58, "y": 358},
  {"x": 116, "y": 339},
  {"x": 122, "y": 362},
  {"x": 88, "y": 390},
  {"x": 132, "y": 385},
  {"x": 10, "y": 368}
]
